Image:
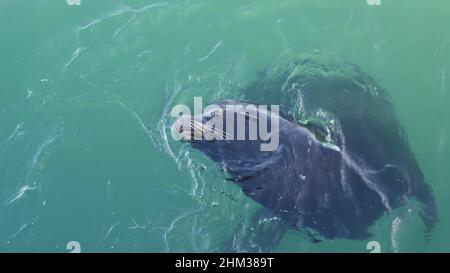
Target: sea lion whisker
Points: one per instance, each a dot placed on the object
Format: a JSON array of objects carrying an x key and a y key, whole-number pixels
[{"x": 217, "y": 132}]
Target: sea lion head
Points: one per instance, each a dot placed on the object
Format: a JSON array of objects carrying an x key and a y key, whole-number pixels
[{"x": 241, "y": 137}]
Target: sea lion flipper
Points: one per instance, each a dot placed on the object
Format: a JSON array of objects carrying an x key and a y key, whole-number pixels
[
  {"x": 262, "y": 234},
  {"x": 428, "y": 213},
  {"x": 312, "y": 237},
  {"x": 392, "y": 183}
]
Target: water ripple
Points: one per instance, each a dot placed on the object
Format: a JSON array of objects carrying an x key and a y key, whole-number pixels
[{"x": 119, "y": 12}]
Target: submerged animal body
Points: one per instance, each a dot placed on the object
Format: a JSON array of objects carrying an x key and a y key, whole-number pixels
[{"x": 342, "y": 162}]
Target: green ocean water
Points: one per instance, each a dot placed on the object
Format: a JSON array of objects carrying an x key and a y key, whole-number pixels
[{"x": 85, "y": 93}]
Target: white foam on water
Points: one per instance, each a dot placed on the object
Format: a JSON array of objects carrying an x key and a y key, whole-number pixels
[
  {"x": 22, "y": 228},
  {"x": 73, "y": 57},
  {"x": 141, "y": 123},
  {"x": 125, "y": 25},
  {"x": 182, "y": 156},
  {"x": 29, "y": 93},
  {"x": 210, "y": 52},
  {"x": 136, "y": 225},
  {"x": 108, "y": 232},
  {"x": 173, "y": 224},
  {"x": 164, "y": 124},
  {"x": 121, "y": 11},
  {"x": 291, "y": 75},
  {"x": 30, "y": 186},
  {"x": 53, "y": 135},
  {"x": 17, "y": 132},
  {"x": 184, "y": 161},
  {"x": 20, "y": 193},
  {"x": 394, "y": 233}
]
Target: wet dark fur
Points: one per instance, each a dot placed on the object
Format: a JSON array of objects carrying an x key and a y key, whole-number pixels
[{"x": 308, "y": 184}]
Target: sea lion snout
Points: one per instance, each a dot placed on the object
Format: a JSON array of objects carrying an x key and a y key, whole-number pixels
[
  {"x": 187, "y": 128},
  {"x": 178, "y": 125}
]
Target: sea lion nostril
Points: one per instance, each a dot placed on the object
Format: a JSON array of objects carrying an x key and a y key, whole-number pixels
[{"x": 178, "y": 127}]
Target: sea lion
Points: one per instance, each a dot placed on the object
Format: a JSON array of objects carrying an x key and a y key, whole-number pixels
[{"x": 342, "y": 160}]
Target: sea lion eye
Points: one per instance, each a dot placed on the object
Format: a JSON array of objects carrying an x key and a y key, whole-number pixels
[{"x": 213, "y": 114}]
